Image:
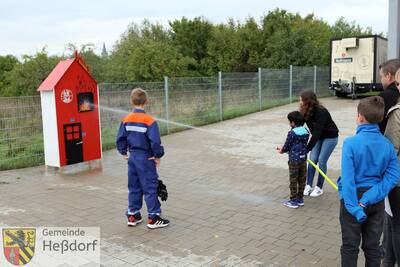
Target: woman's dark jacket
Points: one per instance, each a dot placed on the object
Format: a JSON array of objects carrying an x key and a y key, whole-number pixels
[{"x": 321, "y": 126}]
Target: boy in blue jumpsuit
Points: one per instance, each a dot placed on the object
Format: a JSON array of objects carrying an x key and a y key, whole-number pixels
[
  {"x": 296, "y": 146},
  {"x": 139, "y": 135},
  {"x": 369, "y": 171}
]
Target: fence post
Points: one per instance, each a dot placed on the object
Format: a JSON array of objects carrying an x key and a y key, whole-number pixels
[
  {"x": 166, "y": 102},
  {"x": 220, "y": 95},
  {"x": 290, "y": 83},
  {"x": 259, "y": 87},
  {"x": 315, "y": 79}
]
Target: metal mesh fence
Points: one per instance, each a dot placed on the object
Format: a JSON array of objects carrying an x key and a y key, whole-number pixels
[
  {"x": 274, "y": 87},
  {"x": 240, "y": 94},
  {"x": 303, "y": 79},
  {"x": 21, "y": 139},
  {"x": 192, "y": 101},
  {"x": 115, "y": 105},
  {"x": 322, "y": 81}
]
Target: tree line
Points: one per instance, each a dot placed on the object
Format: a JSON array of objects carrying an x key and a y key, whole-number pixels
[{"x": 191, "y": 47}]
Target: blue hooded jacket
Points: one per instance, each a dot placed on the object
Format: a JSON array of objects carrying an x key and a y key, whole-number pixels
[
  {"x": 368, "y": 161},
  {"x": 296, "y": 144}
]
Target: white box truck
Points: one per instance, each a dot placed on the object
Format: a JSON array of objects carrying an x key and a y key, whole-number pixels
[{"x": 355, "y": 62}]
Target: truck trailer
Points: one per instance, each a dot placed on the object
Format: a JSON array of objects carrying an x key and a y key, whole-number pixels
[{"x": 354, "y": 67}]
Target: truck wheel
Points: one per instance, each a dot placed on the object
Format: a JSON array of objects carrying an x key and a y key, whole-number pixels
[{"x": 341, "y": 94}]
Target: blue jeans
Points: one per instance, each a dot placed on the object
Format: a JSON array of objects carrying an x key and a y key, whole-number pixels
[{"x": 320, "y": 155}]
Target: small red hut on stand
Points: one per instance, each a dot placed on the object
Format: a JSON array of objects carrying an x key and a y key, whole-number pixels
[{"x": 70, "y": 114}]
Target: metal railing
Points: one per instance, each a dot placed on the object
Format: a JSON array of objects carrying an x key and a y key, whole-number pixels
[{"x": 193, "y": 101}]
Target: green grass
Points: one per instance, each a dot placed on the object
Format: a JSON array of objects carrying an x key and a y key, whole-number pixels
[
  {"x": 108, "y": 136},
  {"x": 198, "y": 118},
  {"x": 21, "y": 162},
  {"x": 230, "y": 113},
  {"x": 23, "y": 152},
  {"x": 369, "y": 94}
]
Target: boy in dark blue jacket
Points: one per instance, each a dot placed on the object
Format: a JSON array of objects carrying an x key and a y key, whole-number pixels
[
  {"x": 139, "y": 135},
  {"x": 296, "y": 146},
  {"x": 369, "y": 171}
]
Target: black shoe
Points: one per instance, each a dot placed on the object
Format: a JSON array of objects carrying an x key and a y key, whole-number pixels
[
  {"x": 157, "y": 222},
  {"x": 134, "y": 219}
]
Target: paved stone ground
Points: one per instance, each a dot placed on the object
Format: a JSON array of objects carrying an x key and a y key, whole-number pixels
[{"x": 226, "y": 190}]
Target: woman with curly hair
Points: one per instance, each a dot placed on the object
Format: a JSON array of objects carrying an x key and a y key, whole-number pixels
[{"x": 324, "y": 138}]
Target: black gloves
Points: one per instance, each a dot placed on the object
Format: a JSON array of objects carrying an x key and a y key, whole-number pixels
[{"x": 162, "y": 191}]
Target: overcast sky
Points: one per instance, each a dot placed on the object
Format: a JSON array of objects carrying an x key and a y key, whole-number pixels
[{"x": 26, "y": 26}]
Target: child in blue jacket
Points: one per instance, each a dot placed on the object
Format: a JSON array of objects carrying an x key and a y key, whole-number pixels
[
  {"x": 296, "y": 146},
  {"x": 139, "y": 135},
  {"x": 369, "y": 171}
]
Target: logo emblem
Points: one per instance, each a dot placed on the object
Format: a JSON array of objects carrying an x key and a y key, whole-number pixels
[
  {"x": 19, "y": 245},
  {"x": 67, "y": 96},
  {"x": 363, "y": 62}
]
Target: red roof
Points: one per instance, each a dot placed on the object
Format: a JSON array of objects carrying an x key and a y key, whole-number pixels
[{"x": 56, "y": 75}]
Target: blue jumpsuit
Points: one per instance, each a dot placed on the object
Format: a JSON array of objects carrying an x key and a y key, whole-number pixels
[{"x": 139, "y": 134}]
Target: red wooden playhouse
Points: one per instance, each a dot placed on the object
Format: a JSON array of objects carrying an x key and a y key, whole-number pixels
[{"x": 70, "y": 114}]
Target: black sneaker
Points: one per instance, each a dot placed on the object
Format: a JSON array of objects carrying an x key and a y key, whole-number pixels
[
  {"x": 157, "y": 222},
  {"x": 134, "y": 219}
]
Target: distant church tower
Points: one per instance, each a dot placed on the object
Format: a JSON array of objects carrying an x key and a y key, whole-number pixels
[{"x": 104, "y": 51}]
